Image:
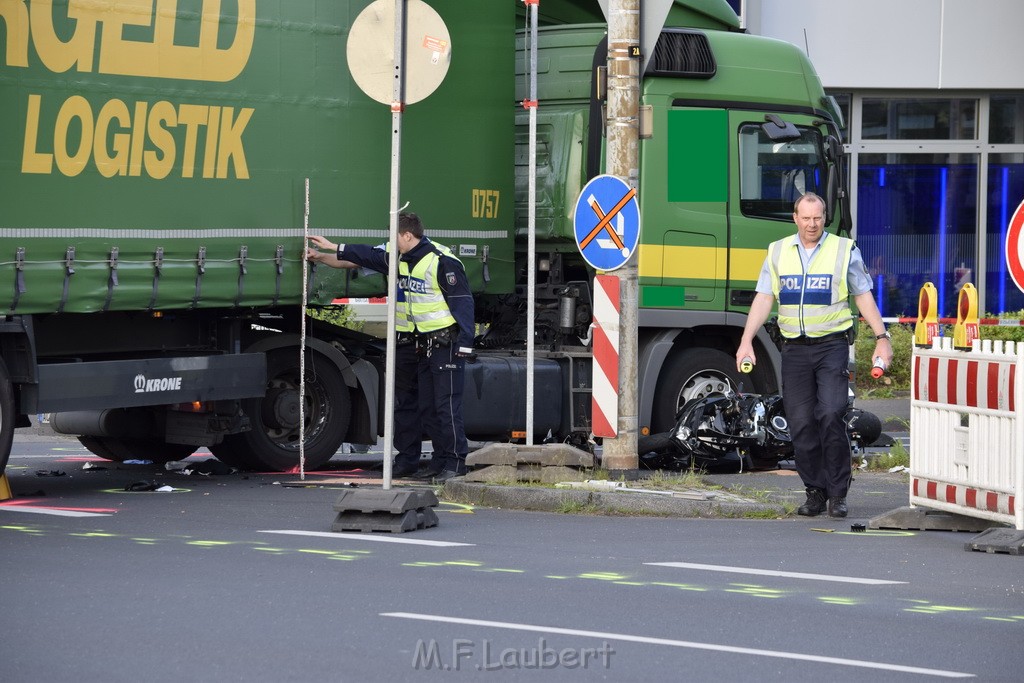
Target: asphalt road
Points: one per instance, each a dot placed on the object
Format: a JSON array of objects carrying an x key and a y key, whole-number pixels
[{"x": 238, "y": 578}]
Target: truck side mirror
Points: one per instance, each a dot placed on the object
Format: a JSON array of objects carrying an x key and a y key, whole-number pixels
[{"x": 778, "y": 130}]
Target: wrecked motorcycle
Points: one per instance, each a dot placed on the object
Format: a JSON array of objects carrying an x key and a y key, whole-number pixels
[{"x": 737, "y": 432}]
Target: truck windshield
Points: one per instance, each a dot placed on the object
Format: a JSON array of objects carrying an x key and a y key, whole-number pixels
[{"x": 773, "y": 174}]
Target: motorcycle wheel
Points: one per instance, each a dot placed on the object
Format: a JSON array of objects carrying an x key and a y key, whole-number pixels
[{"x": 693, "y": 373}]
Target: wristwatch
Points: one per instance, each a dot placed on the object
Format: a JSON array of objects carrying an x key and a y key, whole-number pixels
[{"x": 884, "y": 335}]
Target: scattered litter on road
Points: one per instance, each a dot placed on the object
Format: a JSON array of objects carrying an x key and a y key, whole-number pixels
[
  {"x": 51, "y": 473},
  {"x": 898, "y": 468},
  {"x": 137, "y": 462},
  {"x": 91, "y": 466},
  {"x": 824, "y": 531},
  {"x": 858, "y": 527},
  {"x": 142, "y": 486}
]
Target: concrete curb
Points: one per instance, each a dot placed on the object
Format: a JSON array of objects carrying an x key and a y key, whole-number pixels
[{"x": 602, "y": 502}]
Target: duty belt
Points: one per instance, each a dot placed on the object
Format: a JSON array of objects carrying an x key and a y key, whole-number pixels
[
  {"x": 807, "y": 341},
  {"x": 445, "y": 334}
]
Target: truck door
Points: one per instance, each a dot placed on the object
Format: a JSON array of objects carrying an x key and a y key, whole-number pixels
[{"x": 774, "y": 158}]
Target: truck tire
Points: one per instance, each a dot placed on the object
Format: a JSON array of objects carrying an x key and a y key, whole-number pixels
[
  {"x": 6, "y": 415},
  {"x": 273, "y": 441},
  {"x": 693, "y": 373},
  {"x": 119, "y": 450}
]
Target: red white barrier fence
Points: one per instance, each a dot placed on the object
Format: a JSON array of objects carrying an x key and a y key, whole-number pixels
[{"x": 967, "y": 426}]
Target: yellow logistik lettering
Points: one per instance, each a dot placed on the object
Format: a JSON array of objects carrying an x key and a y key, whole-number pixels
[
  {"x": 135, "y": 140},
  {"x": 113, "y": 160},
  {"x": 31, "y": 160},
  {"x": 161, "y": 116},
  {"x": 159, "y": 57},
  {"x": 231, "y": 142},
  {"x": 69, "y": 162}
]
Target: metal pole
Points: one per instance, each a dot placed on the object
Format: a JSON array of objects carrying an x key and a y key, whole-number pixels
[
  {"x": 531, "y": 281},
  {"x": 622, "y": 160},
  {"x": 397, "y": 106}
]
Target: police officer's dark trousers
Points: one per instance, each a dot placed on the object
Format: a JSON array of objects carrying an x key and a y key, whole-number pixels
[
  {"x": 441, "y": 380},
  {"x": 815, "y": 383},
  {"x": 410, "y": 423}
]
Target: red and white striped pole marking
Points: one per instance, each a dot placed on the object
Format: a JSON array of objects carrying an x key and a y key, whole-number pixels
[{"x": 605, "y": 397}]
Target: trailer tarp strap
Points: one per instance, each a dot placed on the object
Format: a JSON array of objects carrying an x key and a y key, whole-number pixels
[
  {"x": 200, "y": 272},
  {"x": 19, "y": 276},
  {"x": 158, "y": 267},
  {"x": 243, "y": 255},
  {"x": 279, "y": 268},
  {"x": 112, "y": 279},
  {"x": 69, "y": 270}
]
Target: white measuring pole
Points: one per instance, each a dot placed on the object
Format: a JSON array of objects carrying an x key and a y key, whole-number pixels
[
  {"x": 302, "y": 339},
  {"x": 531, "y": 279}
]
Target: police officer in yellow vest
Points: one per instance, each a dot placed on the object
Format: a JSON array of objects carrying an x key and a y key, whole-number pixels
[
  {"x": 434, "y": 319},
  {"x": 812, "y": 275}
]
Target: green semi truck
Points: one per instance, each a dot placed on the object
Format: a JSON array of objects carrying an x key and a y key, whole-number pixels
[{"x": 153, "y": 199}]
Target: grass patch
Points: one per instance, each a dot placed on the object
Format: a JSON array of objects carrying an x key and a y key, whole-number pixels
[
  {"x": 897, "y": 455},
  {"x": 575, "y": 507}
]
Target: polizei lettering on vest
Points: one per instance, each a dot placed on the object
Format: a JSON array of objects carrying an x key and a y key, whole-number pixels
[{"x": 819, "y": 282}]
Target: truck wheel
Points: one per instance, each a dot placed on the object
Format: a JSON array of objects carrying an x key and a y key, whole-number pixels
[
  {"x": 273, "y": 441},
  {"x": 120, "y": 450},
  {"x": 6, "y": 415},
  {"x": 694, "y": 373}
]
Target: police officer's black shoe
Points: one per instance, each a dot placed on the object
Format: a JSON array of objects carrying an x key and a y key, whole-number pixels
[
  {"x": 815, "y": 505},
  {"x": 445, "y": 475},
  {"x": 404, "y": 470},
  {"x": 837, "y": 507},
  {"x": 427, "y": 473}
]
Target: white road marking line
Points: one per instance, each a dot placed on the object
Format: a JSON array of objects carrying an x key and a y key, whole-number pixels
[
  {"x": 682, "y": 643},
  {"x": 771, "y": 572},
  {"x": 51, "y": 511},
  {"x": 365, "y": 537}
]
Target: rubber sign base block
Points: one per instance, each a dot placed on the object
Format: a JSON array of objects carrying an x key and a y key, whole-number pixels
[
  {"x": 998, "y": 540},
  {"x": 395, "y": 510},
  {"x": 920, "y": 519}
]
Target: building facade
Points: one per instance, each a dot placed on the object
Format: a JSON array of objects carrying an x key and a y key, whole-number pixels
[{"x": 933, "y": 96}]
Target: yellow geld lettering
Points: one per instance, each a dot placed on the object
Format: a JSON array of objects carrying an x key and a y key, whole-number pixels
[
  {"x": 161, "y": 57},
  {"x": 15, "y": 17},
  {"x": 57, "y": 55}
]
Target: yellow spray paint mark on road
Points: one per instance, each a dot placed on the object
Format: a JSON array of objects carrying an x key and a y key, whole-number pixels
[
  {"x": 460, "y": 508},
  {"x": 680, "y": 586},
  {"x": 755, "y": 590},
  {"x": 835, "y": 600}
]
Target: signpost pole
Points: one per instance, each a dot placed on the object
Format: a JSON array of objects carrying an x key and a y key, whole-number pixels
[
  {"x": 622, "y": 160},
  {"x": 397, "y": 107}
]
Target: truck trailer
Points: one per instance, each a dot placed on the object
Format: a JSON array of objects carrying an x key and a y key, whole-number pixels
[{"x": 153, "y": 185}]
